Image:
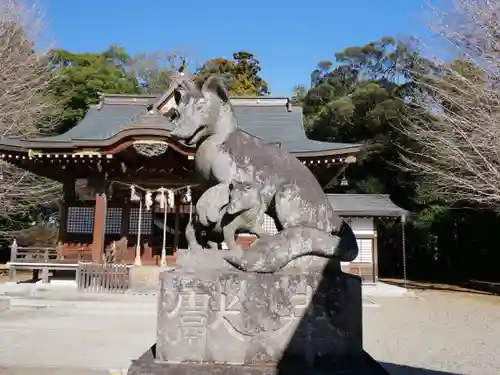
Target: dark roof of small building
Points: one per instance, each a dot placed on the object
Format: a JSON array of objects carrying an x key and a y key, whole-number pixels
[
  {"x": 365, "y": 205},
  {"x": 265, "y": 117}
]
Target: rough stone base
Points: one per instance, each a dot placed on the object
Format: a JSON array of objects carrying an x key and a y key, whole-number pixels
[
  {"x": 361, "y": 365},
  {"x": 247, "y": 318},
  {"x": 223, "y": 321}
]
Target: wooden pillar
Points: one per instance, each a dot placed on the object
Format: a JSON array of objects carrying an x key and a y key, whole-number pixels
[
  {"x": 99, "y": 227},
  {"x": 63, "y": 221},
  {"x": 176, "y": 223},
  {"x": 68, "y": 197}
]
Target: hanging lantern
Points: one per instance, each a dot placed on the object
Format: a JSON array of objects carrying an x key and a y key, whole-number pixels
[
  {"x": 134, "y": 197},
  {"x": 170, "y": 198},
  {"x": 148, "y": 200},
  {"x": 161, "y": 199},
  {"x": 187, "y": 196}
]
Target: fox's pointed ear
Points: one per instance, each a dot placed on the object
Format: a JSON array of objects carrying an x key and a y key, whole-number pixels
[{"x": 214, "y": 85}]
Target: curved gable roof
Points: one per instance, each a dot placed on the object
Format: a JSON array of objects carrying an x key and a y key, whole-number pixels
[{"x": 271, "y": 119}]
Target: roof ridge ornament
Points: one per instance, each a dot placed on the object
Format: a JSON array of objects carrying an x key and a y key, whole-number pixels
[
  {"x": 178, "y": 79},
  {"x": 101, "y": 100}
]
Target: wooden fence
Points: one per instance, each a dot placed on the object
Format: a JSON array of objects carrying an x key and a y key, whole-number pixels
[{"x": 103, "y": 278}]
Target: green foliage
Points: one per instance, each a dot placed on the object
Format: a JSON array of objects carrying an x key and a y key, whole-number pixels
[
  {"x": 220, "y": 67},
  {"x": 360, "y": 99},
  {"x": 364, "y": 97},
  {"x": 241, "y": 75},
  {"x": 82, "y": 76}
]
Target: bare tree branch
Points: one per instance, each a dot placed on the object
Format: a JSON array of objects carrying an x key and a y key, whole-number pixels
[
  {"x": 155, "y": 70},
  {"x": 457, "y": 129},
  {"x": 26, "y": 105}
]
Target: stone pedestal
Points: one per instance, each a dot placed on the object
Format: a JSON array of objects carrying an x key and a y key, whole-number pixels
[{"x": 230, "y": 322}]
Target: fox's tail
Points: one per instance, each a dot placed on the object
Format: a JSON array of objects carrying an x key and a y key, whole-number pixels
[{"x": 271, "y": 253}]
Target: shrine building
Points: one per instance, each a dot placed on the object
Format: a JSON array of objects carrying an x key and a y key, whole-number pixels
[{"x": 114, "y": 161}]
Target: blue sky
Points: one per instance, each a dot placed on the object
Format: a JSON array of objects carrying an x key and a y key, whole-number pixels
[{"x": 288, "y": 37}]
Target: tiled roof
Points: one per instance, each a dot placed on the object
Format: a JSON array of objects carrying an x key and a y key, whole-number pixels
[
  {"x": 267, "y": 118},
  {"x": 100, "y": 123},
  {"x": 277, "y": 124},
  {"x": 365, "y": 205}
]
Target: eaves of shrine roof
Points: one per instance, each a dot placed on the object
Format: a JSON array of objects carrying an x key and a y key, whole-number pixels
[
  {"x": 117, "y": 116},
  {"x": 365, "y": 205}
]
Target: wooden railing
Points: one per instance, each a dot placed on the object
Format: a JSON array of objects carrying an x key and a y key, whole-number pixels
[
  {"x": 103, "y": 278},
  {"x": 32, "y": 254},
  {"x": 43, "y": 258},
  {"x": 46, "y": 254}
]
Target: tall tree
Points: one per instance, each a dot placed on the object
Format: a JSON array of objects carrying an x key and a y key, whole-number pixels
[
  {"x": 154, "y": 70},
  {"x": 358, "y": 99},
  {"x": 26, "y": 104},
  {"x": 246, "y": 72},
  {"x": 82, "y": 76},
  {"x": 367, "y": 95},
  {"x": 361, "y": 98},
  {"x": 241, "y": 75},
  {"x": 220, "y": 67},
  {"x": 459, "y": 141}
]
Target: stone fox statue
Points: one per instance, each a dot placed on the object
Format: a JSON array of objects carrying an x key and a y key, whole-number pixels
[
  {"x": 200, "y": 235},
  {"x": 286, "y": 189}
]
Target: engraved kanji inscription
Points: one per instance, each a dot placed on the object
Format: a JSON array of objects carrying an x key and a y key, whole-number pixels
[
  {"x": 226, "y": 301},
  {"x": 193, "y": 316}
]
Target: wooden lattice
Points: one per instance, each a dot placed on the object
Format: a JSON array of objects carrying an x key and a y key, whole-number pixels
[
  {"x": 113, "y": 220},
  {"x": 146, "y": 223},
  {"x": 80, "y": 220}
]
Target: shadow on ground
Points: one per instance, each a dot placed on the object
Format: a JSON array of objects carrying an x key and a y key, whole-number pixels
[
  {"x": 471, "y": 286},
  {"x": 394, "y": 369},
  {"x": 391, "y": 368}
]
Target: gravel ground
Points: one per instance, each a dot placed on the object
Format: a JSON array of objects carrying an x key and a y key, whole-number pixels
[
  {"x": 88, "y": 339},
  {"x": 433, "y": 333},
  {"x": 451, "y": 332}
]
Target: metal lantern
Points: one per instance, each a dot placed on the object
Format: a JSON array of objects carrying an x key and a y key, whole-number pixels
[
  {"x": 170, "y": 198},
  {"x": 148, "y": 200},
  {"x": 187, "y": 196},
  {"x": 161, "y": 199},
  {"x": 134, "y": 197}
]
